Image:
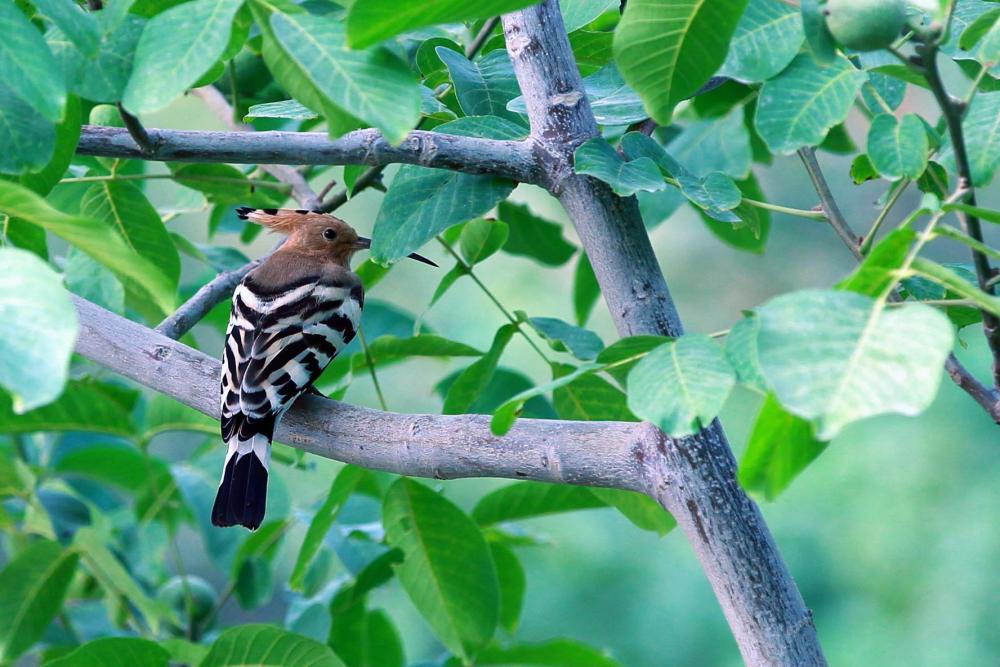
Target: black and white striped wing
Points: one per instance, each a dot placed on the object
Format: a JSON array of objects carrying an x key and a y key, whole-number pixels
[{"x": 298, "y": 335}]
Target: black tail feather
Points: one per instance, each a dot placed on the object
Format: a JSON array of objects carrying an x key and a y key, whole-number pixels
[{"x": 242, "y": 496}]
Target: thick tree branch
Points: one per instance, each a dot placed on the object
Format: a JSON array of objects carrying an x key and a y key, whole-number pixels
[
  {"x": 694, "y": 478},
  {"x": 440, "y": 446},
  {"x": 508, "y": 159}
]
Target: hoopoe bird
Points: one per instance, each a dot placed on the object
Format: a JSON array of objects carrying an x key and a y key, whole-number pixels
[{"x": 290, "y": 317}]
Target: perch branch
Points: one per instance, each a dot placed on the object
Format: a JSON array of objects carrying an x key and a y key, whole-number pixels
[
  {"x": 438, "y": 446},
  {"x": 508, "y": 159},
  {"x": 694, "y": 478}
]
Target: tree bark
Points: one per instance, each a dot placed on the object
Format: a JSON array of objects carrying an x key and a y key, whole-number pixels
[
  {"x": 694, "y": 478},
  {"x": 440, "y": 446}
]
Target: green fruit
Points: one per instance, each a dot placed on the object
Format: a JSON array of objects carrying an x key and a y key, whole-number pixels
[
  {"x": 865, "y": 25},
  {"x": 203, "y": 596}
]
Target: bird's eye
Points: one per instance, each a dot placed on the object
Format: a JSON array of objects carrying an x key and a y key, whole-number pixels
[{"x": 329, "y": 234}]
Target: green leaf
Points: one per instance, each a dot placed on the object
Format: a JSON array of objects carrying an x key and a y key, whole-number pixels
[
  {"x": 505, "y": 415},
  {"x": 799, "y": 106},
  {"x": 717, "y": 194},
  {"x": 556, "y": 652},
  {"x": 586, "y": 290},
  {"x": 817, "y": 35},
  {"x": 32, "y": 588},
  {"x": 862, "y": 169},
  {"x": 164, "y": 414},
  {"x": 638, "y": 508},
  {"x": 372, "y": 21},
  {"x": 184, "y": 651},
  {"x": 114, "y": 652},
  {"x": 92, "y": 236},
  {"x": 625, "y": 353},
  {"x": 741, "y": 351},
  {"x": 878, "y": 271},
  {"x": 220, "y": 183},
  {"x": 589, "y": 398},
  {"x": 837, "y": 357},
  {"x": 117, "y": 465},
  {"x": 666, "y": 49},
  {"x": 27, "y": 66},
  {"x": 984, "y": 32},
  {"x": 597, "y": 158},
  {"x": 592, "y": 50},
  {"x": 87, "y": 278},
  {"x": 485, "y": 86},
  {"x": 124, "y": 207},
  {"x": 682, "y": 385},
  {"x": 527, "y": 500},
  {"x": 84, "y": 406},
  {"x": 423, "y": 202},
  {"x": 561, "y": 336},
  {"x": 780, "y": 447},
  {"x": 481, "y": 238},
  {"x": 468, "y": 386},
  {"x": 447, "y": 569},
  {"x": 75, "y": 23},
  {"x": 532, "y": 236},
  {"x": 268, "y": 646},
  {"x": 958, "y": 235},
  {"x": 103, "y": 78},
  {"x": 38, "y": 328},
  {"x": 373, "y": 85},
  {"x": 716, "y": 144},
  {"x": 27, "y": 139},
  {"x": 116, "y": 580},
  {"x": 343, "y": 486},
  {"x": 578, "y": 13},
  {"x": 954, "y": 282},
  {"x": 284, "y": 109},
  {"x": 754, "y": 228},
  {"x": 512, "y": 580},
  {"x": 898, "y": 148},
  {"x": 178, "y": 46},
  {"x": 767, "y": 38},
  {"x": 982, "y": 125},
  {"x": 982, "y": 213}
]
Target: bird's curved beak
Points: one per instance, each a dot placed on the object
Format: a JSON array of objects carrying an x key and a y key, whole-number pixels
[{"x": 365, "y": 243}]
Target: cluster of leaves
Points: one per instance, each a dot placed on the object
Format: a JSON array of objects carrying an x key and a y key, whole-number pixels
[{"x": 89, "y": 513}]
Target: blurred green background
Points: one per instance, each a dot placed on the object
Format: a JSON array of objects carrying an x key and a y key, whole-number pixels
[{"x": 893, "y": 535}]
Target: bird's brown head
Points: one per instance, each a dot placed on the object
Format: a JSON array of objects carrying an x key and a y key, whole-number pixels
[{"x": 319, "y": 235}]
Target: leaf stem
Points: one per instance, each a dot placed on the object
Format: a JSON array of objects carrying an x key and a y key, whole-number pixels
[
  {"x": 869, "y": 238},
  {"x": 486, "y": 290},
  {"x": 370, "y": 362}
]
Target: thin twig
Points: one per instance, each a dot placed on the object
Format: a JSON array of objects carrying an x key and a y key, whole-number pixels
[
  {"x": 137, "y": 131},
  {"x": 253, "y": 182},
  {"x": 953, "y": 112},
  {"x": 829, "y": 204}
]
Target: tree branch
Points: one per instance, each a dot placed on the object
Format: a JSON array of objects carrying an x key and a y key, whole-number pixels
[
  {"x": 694, "y": 478},
  {"x": 438, "y": 446},
  {"x": 953, "y": 111},
  {"x": 508, "y": 159},
  {"x": 960, "y": 375}
]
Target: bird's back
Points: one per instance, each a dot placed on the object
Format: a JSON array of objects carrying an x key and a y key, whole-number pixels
[{"x": 289, "y": 319}]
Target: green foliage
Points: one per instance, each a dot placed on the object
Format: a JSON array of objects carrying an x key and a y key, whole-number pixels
[
  {"x": 37, "y": 330},
  {"x": 32, "y": 588},
  {"x": 898, "y": 148},
  {"x": 115, "y": 652},
  {"x": 268, "y": 646},
  {"x": 447, "y": 569},
  {"x": 681, "y": 385}
]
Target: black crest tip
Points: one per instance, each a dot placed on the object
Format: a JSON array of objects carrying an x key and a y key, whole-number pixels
[{"x": 243, "y": 211}]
